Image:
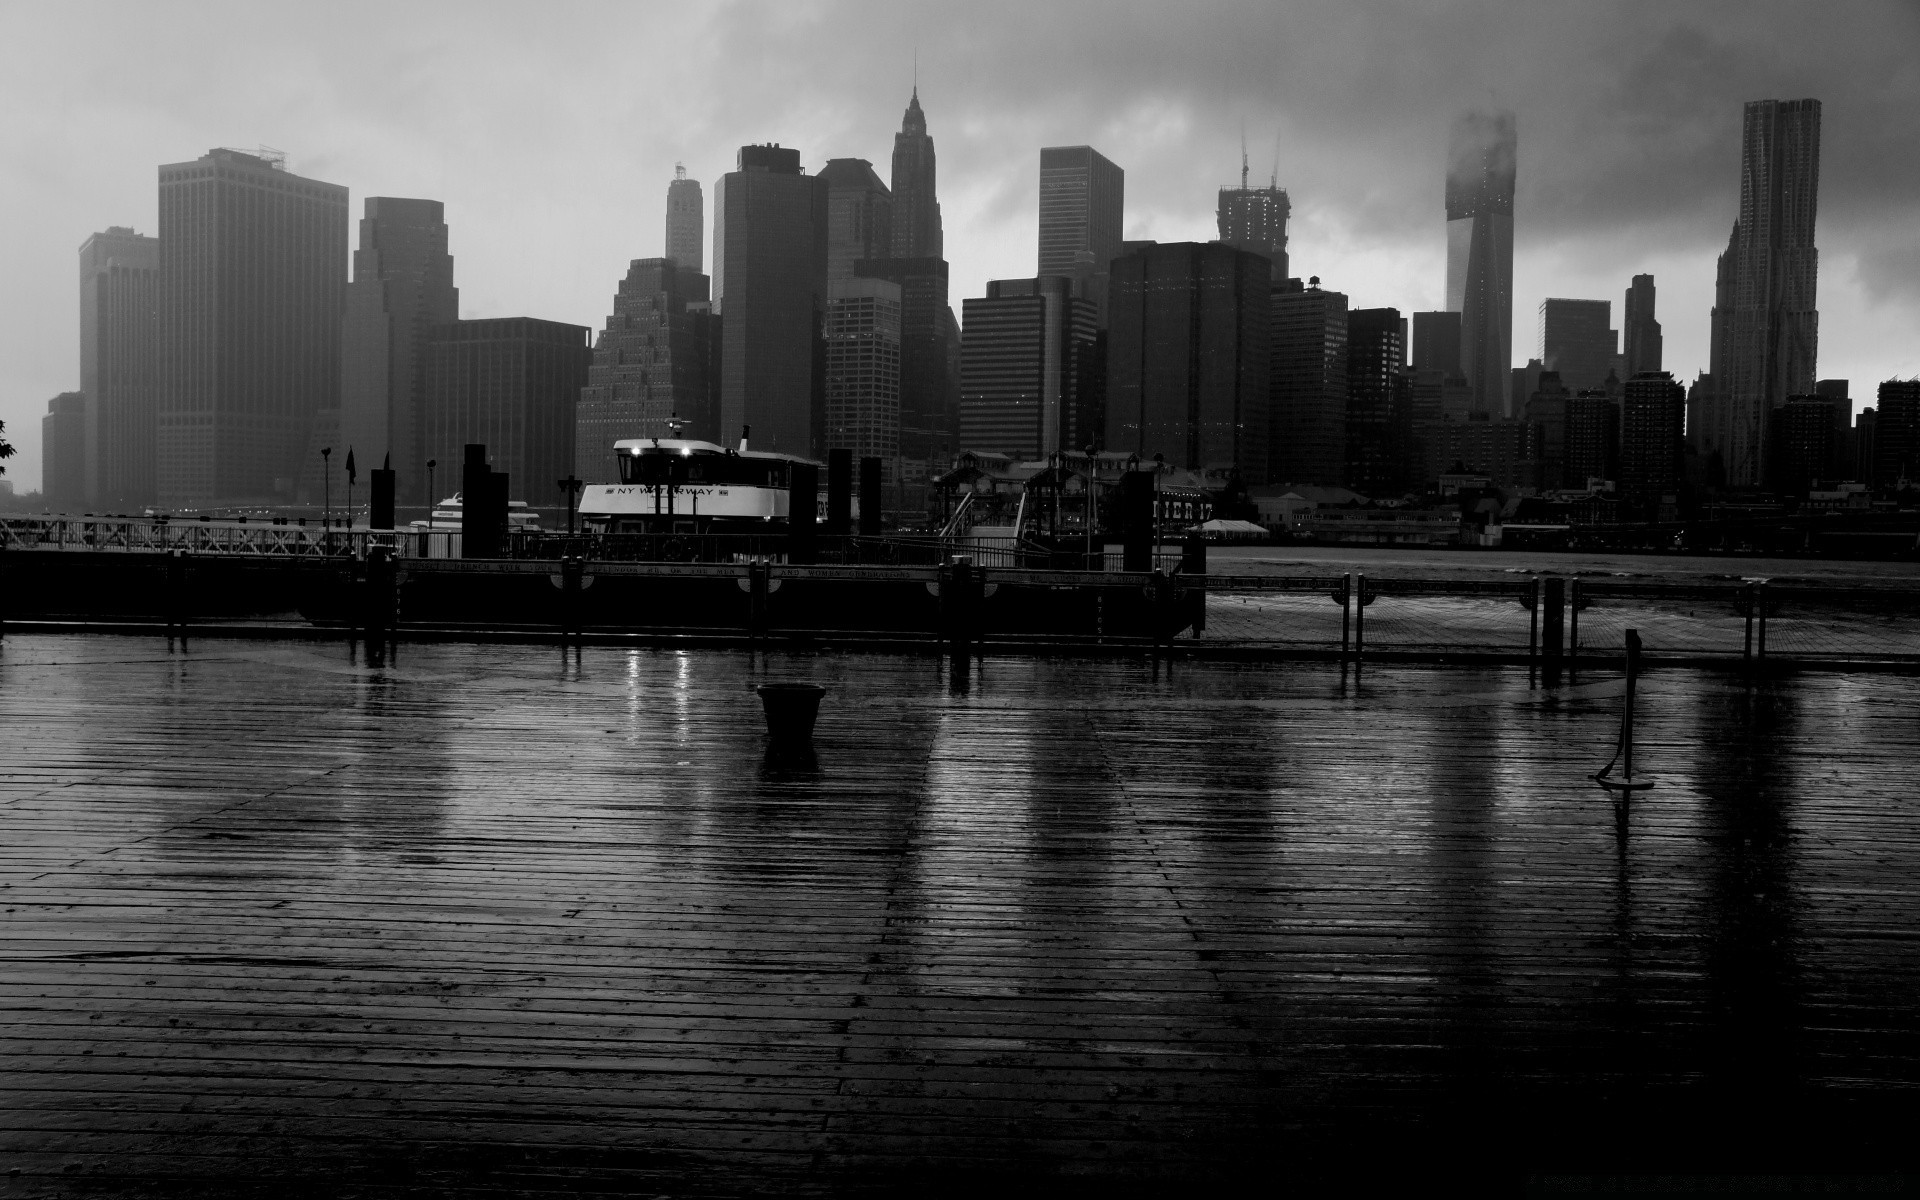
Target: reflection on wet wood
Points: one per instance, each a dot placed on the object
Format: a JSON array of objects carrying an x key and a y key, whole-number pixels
[{"x": 512, "y": 919}]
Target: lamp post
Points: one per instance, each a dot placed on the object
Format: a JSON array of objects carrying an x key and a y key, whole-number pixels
[
  {"x": 326, "y": 494},
  {"x": 431, "y": 503}
]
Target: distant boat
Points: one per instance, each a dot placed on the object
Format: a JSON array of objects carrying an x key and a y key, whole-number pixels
[{"x": 447, "y": 515}]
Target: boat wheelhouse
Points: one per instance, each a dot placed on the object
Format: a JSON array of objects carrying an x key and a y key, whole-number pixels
[{"x": 684, "y": 486}]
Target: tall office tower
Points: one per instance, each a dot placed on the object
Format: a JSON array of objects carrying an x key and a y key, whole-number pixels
[
  {"x": 1307, "y": 405},
  {"x": 63, "y": 453},
  {"x": 252, "y": 277},
  {"x": 1480, "y": 175},
  {"x": 1525, "y": 382},
  {"x": 402, "y": 287},
  {"x": 1863, "y": 443},
  {"x": 686, "y": 221},
  {"x": 1772, "y": 337},
  {"x": 1546, "y": 410},
  {"x": 1188, "y": 357},
  {"x": 1082, "y": 207},
  {"x": 1896, "y": 434},
  {"x": 119, "y": 363},
  {"x": 863, "y": 369},
  {"x": 651, "y": 366},
  {"x": 1652, "y": 439},
  {"x": 1255, "y": 219},
  {"x": 1436, "y": 342},
  {"x": 916, "y": 205},
  {"x": 1032, "y": 373},
  {"x": 929, "y": 369},
  {"x": 859, "y": 216},
  {"x": 1379, "y": 414},
  {"x": 1593, "y": 437},
  {"x": 509, "y": 383},
  {"x": 770, "y": 278},
  {"x": 1643, "y": 343},
  {"x": 1575, "y": 340},
  {"x": 1701, "y": 407}
]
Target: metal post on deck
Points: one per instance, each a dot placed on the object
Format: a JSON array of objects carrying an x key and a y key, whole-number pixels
[
  {"x": 956, "y": 608},
  {"x": 176, "y": 600},
  {"x": 1573, "y": 624},
  {"x": 1625, "y": 784},
  {"x": 1760, "y": 618},
  {"x": 1746, "y": 648},
  {"x": 1553, "y": 595},
  {"x": 1345, "y": 597},
  {"x": 759, "y": 575},
  {"x": 1533, "y": 620},
  {"x": 1360, "y": 601},
  {"x": 1193, "y": 569}
]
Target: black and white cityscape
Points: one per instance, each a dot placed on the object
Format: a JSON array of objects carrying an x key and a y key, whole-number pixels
[{"x": 1086, "y": 600}]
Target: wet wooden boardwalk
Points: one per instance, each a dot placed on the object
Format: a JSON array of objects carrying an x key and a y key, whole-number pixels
[{"x": 504, "y": 921}]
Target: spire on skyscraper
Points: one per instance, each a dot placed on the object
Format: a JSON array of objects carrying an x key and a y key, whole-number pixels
[{"x": 916, "y": 208}]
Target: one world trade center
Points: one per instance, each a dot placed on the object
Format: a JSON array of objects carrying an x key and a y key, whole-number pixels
[{"x": 1480, "y": 253}]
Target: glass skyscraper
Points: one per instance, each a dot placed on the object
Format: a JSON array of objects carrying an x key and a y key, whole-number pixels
[{"x": 1480, "y": 176}]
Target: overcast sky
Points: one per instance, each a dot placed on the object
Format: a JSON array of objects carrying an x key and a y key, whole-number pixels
[{"x": 550, "y": 131}]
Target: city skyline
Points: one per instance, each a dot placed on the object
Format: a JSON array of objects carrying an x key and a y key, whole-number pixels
[{"x": 1364, "y": 172}]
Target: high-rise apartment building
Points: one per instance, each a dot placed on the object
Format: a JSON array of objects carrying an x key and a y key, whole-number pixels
[
  {"x": 1379, "y": 409},
  {"x": 63, "y": 453},
  {"x": 859, "y": 216},
  {"x": 770, "y": 265},
  {"x": 1255, "y": 219},
  {"x": 1188, "y": 357},
  {"x": 1480, "y": 181},
  {"x": 253, "y": 272},
  {"x": 1546, "y": 411},
  {"x": 686, "y": 221},
  {"x": 1809, "y": 443},
  {"x": 1031, "y": 371},
  {"x": 652, "y": 366},
  {"x": 402, "y": 288},
  {"x": 1307, "y": 400},
  {"x": 1643, "y": 341},
  {"x": 1771, "y": 336},
  {"x": 929, "y": 360},
  {"x": 863, "y": 369},
  {"x": 119, "y": 365},
  {"x": 509, "y": 383},
  {"x": 1896, "y": 434},
  {"x": 1576, "y": 340},
  {"x": 1082, "y": 208},
  {"x": 916, "y": 222},
  {"x": 1652, "y": 441},
  {"x": 1593, "y": 437}
]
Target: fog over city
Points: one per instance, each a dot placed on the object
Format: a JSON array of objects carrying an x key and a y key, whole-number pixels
[{"x": 550, "y": 132}]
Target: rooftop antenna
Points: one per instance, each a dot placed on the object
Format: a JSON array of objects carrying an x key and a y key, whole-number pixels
[
  {"x": 679, "y": 170},
  {"x": 916, "y": 72},
  {"x": 1275, "y": 181},
  {"x": 1243, "y": 155}
]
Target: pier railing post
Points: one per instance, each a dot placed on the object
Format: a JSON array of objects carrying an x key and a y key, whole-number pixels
[
  {"x": 1760, "y": 617},
  {"x": 1573, "y": 624},
  {"x": 1553, "y": 593},
  {"x": 176, "y": 598},
  {"x": 1745, "y": 602},
  {"x": 1345, "y": 597},
  {"x": 957, "y": 591},
  {"x": 759, "y": 575},
  {"x": 1193, "y": 571},
  {"x": 1360, "y": 601}
]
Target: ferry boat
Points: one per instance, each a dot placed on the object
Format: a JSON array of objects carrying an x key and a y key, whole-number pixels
[
  {"x": 447, "y": 516},
  {"x": 685, "y": 486}
]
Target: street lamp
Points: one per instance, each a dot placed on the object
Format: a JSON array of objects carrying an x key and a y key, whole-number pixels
[{"x": 326, "y": 494}]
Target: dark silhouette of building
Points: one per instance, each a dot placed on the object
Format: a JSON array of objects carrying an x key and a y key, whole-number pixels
[
  {"x": 1862, "y": 444},
  {"x": 1576, "y": 341},
  {"x": 1436, "y": 342},
  {"x": 1307, "y": 407},
  {"x": 1031, "y": 370},
  {"x": 1082, "y": 208},
  {"x": 119, "y": 364},
  {"x": 510, "y": 383},
  {"x": 1643, "y": 341},
  {"x": 1593, "y": 437},
  {"x": 402, "y": 288},
  {"x": 929, "y": 362},
  {"x": 1771, "y": 336},
  {"x": 252, "y": 279},
  {"x": 1504, "y": 449},
  {"x": 652, "y": 364},
  {"x": 1546, "y": 411},
  {"x": 1808, "y": 440},
  {"x": 1480, "y": 181},
  {"x": 1652, "y": 439},
  {"x": 686, "y": 222},
  {"x": 1188, "y": 357},
  {"x": 1255, "y": 219},
  {"x": 1379, "y": 412},
  {"x": 770, "y": 264},
  {"x": 63, "y": 453},
  {"x": 916, "y": 223},
  {"x": 859, "y": 216},
  {"x": 1896, "y": 434},
  {"x": 863, "y": 369}
]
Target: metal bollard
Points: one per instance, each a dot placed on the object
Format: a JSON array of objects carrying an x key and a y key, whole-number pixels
[
  {"x": 1361, "y": 598},
  {"x": 1553, "y": 596}
]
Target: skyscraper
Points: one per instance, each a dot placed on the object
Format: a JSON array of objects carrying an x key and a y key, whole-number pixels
[
  {"x": 1436, "y": 342},
  {"x": 1480, "y": 180},
  {"x": 1773, "y": 336},
  {"x": 1576, "y": 341},
  {"x": 1031, "y": 374},
  {"x": 1082, "y": 208},
  {"x": 770, "y": 263},
  {"x": 652, "y": 363},
  {"x": 686, "y": 221},
  {"x": 509, "y": 383},
  {"x": 1652, "y": 437},
  {"x": 863, "y": 369},
  {"x": 929, "y": 366},
  {"x": 1642, "y": 331},
  {"x": 252, "y": 277},
  {"x": 1188, "y": 354},
  {"x": 916, "y": 222},
  {"x": 1307, "y": 408},
  {"x": 1896, "y": 434},
  {"x": 1379, "y": 413},
  {"x": 1255, "y": 219},
  {"x": 402, "y": 287},
  {"x": 63, "y": 453},
  {"x": 119, "y": 364},
  {"x": 859, "y": 216}
]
